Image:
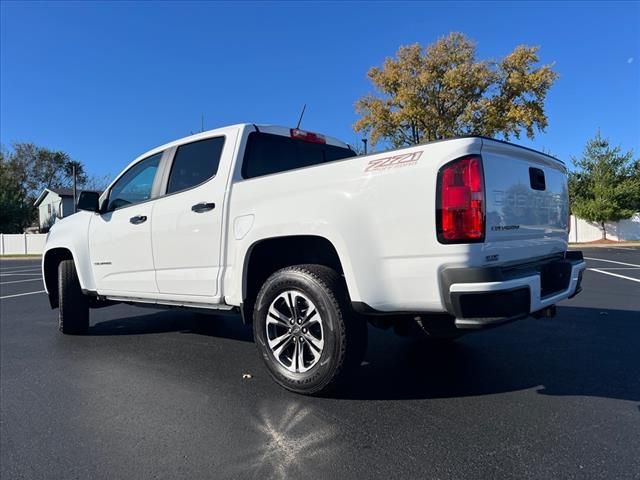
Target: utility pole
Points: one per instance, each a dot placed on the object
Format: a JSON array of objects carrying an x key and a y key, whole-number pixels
[
  {"x": 364, "y": 141},
  {"x": 75, "y": 197}
]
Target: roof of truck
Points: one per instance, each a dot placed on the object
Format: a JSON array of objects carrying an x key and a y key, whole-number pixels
[
  {"x": 260, "y": 127},
  {"x": 266, "y": 128},
  {"x": 286, "y": 131}
]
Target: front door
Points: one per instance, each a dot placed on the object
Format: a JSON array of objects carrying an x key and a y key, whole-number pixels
[{"x": 120, "y": 237}]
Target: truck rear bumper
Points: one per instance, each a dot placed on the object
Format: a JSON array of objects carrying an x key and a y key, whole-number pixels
[{"x": 486, "y": 296}]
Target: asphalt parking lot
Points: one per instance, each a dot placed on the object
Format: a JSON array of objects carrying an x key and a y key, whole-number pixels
[{"x": 161, "y": 394}]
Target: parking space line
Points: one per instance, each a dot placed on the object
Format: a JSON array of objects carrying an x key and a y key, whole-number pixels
[
  {"x": 612, "y": 261},
  {"x": 18, "y": 267},
  {"x": 20, "y": 281},
  {"x": 19, "y": 274},
  {"x": 619, "y": 268},
  {"x": 5, "y": 274},
  {"x": 614, "y": 274},
  {"x": 20, "y": 270},
  {"x": 21, "y": 294}
]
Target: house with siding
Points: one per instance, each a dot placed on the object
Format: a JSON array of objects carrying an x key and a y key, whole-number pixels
[{"x": 53, "y": 203}]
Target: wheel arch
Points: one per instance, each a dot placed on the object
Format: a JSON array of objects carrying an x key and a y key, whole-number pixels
[
  {"x": 50, "y": 263},
  {"x": 267, "y": 255}
]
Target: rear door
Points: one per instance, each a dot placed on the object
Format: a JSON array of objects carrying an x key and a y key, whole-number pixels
[
  {"x": 527, "y": 210},
  {"x": 120, "y": 237},
  {"x": 187, "y": 221}
]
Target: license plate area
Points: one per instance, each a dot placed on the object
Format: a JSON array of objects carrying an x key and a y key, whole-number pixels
[{"x": 554, "y": 277}]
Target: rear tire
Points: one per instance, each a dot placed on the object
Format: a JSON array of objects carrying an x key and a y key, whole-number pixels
[
  {"x": 332, "y": 340},
  {"x": 73, "y": 314}
]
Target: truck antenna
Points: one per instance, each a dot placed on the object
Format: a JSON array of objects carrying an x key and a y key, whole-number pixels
[{"x": 301, "y": 115}]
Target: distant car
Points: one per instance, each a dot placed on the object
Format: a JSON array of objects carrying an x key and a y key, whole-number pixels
[{"x": 309, "y": 241}]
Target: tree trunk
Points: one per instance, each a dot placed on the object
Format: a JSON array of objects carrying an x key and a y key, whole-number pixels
[{"x": 604, "y": 231}]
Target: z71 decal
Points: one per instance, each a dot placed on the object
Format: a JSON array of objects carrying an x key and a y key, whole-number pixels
[{"x": 397, "y": 161}]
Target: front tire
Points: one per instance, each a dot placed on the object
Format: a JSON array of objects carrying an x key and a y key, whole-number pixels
[
  {"x": 305, "y": 331},
  {"x": 73, "y": 314}
]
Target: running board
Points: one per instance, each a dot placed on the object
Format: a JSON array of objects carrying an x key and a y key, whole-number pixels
[{"x": 169, "y": 303}]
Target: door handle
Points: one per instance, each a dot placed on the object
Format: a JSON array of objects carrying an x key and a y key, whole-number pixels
[
  {"x": 203, "y": 207},
  {"x": 138, "y": 219}
]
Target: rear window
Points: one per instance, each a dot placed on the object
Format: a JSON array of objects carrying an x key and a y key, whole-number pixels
[{"x": 268, "y": 153}]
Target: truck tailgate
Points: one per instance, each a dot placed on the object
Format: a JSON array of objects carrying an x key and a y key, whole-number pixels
[{"x": 527, "y": 203}]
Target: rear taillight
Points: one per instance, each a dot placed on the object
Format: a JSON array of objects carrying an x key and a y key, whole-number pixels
[{"x": 460, "y": 201}]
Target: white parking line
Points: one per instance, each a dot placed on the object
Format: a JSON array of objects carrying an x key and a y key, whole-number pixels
[
  {"x": 614, "y": 275},
  {"x": 21, "y": 294},
  {"x": 620, "y": 268},
  {"x": 16, "y": 265},
  {"x": 4, "y": 272},
  {"x": 31, "y": 272},
  {"x": 19, "y": 274},
  {"x": 20, "y": 281},
  {"x": 24, "y": 267},
  {"x": 612, "y": 261}
]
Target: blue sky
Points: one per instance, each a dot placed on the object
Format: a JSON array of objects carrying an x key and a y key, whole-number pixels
[{"x": 107, "y": 81}]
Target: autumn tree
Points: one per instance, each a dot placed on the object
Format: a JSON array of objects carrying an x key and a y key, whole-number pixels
[
  {"x": 442, "y": 91},
  {"x": 606, "y": 185}
]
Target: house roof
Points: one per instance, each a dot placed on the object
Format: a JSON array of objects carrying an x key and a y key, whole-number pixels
[
  {"x": 63, "y": 192},
  {"x": 46, "y": 192}
]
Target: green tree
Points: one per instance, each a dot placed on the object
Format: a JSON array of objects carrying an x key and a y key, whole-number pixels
[
  {"x": 24, "y": 173},
  {"x": 37, "y": 168},
  {"x": 16, "y": 212},
  {"x": 443, "y": 91},
  {"x": 606, "y": 186}
]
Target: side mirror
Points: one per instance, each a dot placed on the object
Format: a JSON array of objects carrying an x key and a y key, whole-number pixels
[{"x": 88, "y": 201}]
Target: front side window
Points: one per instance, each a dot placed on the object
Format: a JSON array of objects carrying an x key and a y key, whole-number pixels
[
  {"x": 195, "y": 163},
  {"x": 135, "y": 185}
]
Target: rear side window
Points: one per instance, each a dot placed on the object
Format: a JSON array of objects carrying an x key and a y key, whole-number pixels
[
  {"x": 195, "y": 163},
  {"x": 268, "y": 153}
]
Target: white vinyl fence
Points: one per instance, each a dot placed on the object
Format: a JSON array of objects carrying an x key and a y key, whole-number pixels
[
  {"x": 583, "y": 231},
  {"x": 21, "y": 243}
]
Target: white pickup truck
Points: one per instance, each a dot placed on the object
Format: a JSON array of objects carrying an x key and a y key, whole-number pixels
[{"x": 310, "y": 241}]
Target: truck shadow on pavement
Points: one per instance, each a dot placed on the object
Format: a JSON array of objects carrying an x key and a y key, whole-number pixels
[
  {"x": 583, "y": 351},
  {"x": 225, "y": 326}
]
